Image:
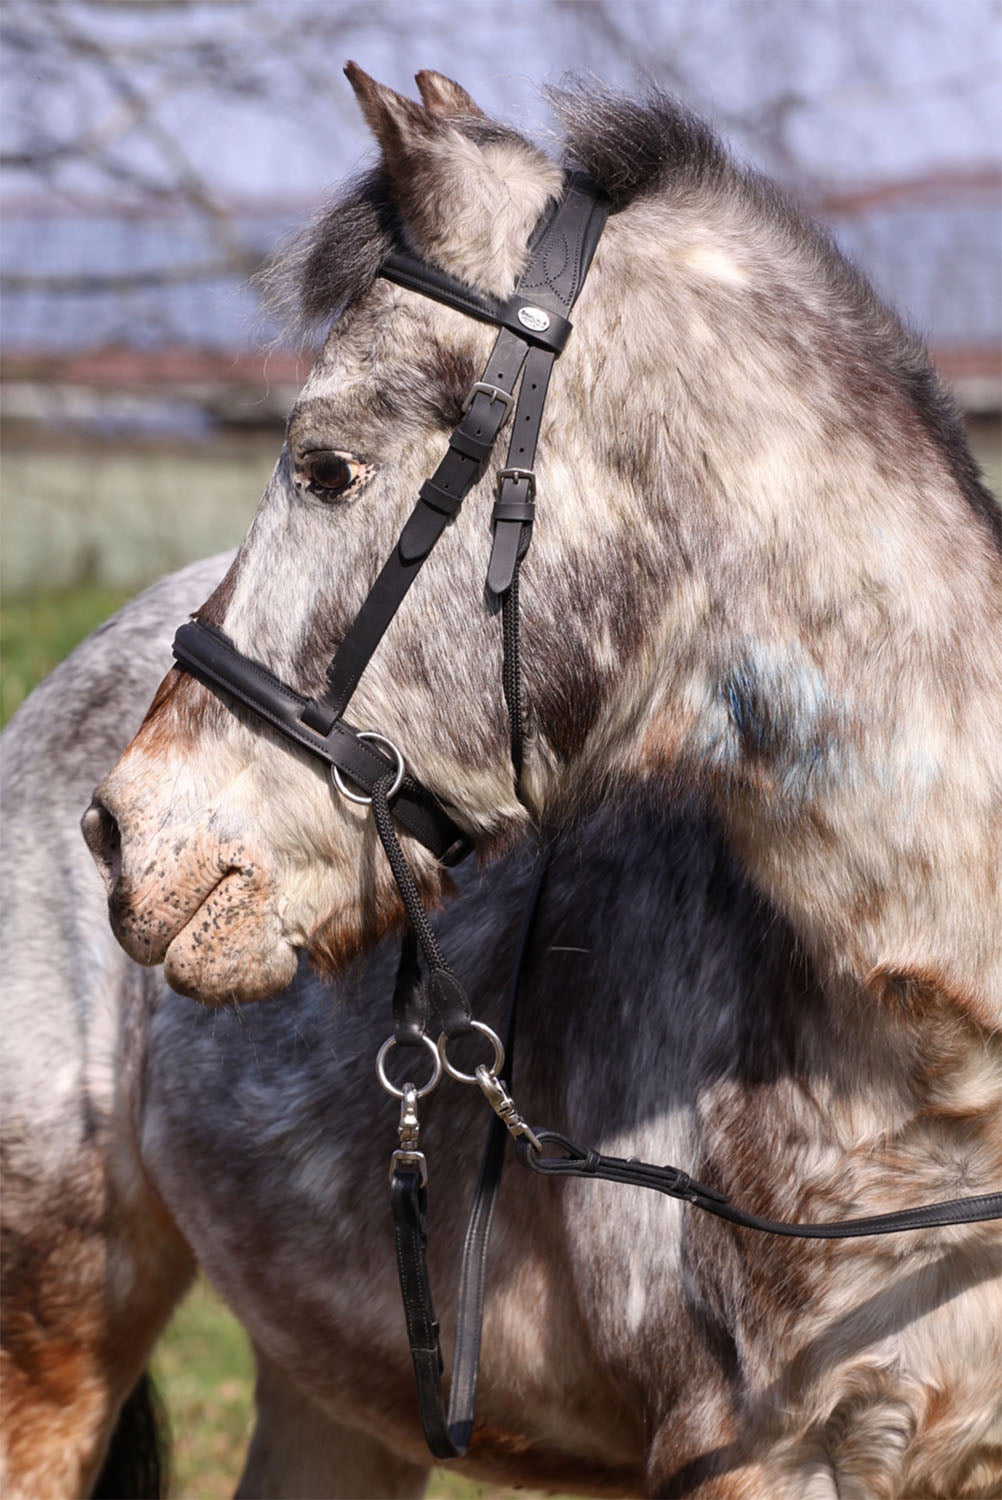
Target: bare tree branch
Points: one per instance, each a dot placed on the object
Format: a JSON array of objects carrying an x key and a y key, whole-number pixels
[{"x": 182, "y": 274}]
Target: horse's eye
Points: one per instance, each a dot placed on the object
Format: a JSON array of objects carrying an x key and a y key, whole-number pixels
[{"x": 327, "y": 474}]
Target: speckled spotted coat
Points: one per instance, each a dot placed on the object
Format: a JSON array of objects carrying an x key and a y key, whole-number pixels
[{"x": 765, "y": 581}]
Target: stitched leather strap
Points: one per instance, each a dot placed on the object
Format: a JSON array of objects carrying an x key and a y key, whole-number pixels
[
  {"x": 406, "y": 270},
  {"x": 449, "y": 1436},
  {"x": 408, "y": 1201},
  {"x": 514, "y": 509},
  {"x": 558, "y": 263},
  {"x": 578, "y": 1161},
  {"x": 439, "y": 500}
]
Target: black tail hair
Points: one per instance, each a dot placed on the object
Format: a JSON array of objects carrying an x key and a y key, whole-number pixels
[{"x": 137, "y": 1465}]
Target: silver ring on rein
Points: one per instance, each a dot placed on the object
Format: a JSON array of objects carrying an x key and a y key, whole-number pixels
[
  {"x": 391, "y": 1088},
  {"x": 370, "y": 734},
  {"x": 457, "y": 1073}
]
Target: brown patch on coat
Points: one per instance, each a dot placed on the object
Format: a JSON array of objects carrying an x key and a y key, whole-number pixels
[
  {"x": 54, "y": 1417},
  {"x": 917, "y": 993},
  {"x": 663, "y": 741},
  {"x": 346, "y": 934},
  {"x": 72, "y": 1351},
  {"x": 178, "y": 711},
  {"x": 176, "y": 717},
  {"x": 213, "y": 611}
]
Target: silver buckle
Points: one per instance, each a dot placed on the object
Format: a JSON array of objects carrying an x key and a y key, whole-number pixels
[
  {"x": 408, "y": 1157},
  {"x": 518, "y": 474},
  {"x": 370, "y": 734},
  {"x": 495, "y": 394}
]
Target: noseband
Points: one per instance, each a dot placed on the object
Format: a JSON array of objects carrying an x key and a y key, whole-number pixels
[{"x": 533, "y": 329}]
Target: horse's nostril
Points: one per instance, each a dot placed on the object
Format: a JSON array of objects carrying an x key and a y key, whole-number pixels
[{"x": 103, "y": 839}]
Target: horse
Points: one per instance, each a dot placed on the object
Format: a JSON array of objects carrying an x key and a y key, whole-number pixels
[
  {"x": 776, "y": 583},
  {"x": 624, "y": 1341}
]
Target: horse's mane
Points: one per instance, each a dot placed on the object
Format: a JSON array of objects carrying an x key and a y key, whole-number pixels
[
  {"x": 636, "y": 148},
  {"x": 633, "y": 148}
]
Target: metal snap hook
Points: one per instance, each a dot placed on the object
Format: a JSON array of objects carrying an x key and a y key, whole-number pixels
[
  {"x": 370, "y": 734},
  {"x": 391, "y": 1088},
  {"x": 457, "y": 1073}
]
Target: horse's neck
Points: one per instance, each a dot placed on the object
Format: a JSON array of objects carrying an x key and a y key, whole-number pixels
[
  {"x": 827, "y": 670},
  {"x": 691, "y": 1027},
  {"x": 878, "y": 832},
  {"x": 875, "y": 1110}
]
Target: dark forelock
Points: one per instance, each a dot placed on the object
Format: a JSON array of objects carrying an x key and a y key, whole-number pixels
[{"x": 334, "y": 258}]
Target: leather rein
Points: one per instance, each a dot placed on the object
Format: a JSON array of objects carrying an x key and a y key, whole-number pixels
[{"x": 533, "y": 329}]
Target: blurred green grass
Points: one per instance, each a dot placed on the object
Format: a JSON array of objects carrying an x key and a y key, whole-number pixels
[
  {"x": 38, "y": 629},
  {"x": 204, "y": 1370}
]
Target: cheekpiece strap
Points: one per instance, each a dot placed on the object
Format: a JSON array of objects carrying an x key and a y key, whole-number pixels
[{"x": 534, "y": 328}]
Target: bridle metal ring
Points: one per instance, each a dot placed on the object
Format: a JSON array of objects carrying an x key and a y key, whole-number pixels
[
  {"x": 370, "y": 734},
  {"x": 391, "y": 1088},
  {"x": 457, "y": 1073}
]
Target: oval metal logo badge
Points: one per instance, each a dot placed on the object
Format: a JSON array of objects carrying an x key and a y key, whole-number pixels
[{"x": 534, "y": 318}]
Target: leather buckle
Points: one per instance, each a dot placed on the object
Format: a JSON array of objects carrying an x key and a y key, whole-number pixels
[{"x": 494, "y": 392}]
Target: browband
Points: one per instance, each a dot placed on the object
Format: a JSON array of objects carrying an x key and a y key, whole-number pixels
[
  {"x": 568, "y": 235},
  {"x": 534, "y": 328},
  {"x": 516, "y": 314}
]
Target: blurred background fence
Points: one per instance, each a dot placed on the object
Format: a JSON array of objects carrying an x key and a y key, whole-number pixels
[{"x": 155, "y": 152}]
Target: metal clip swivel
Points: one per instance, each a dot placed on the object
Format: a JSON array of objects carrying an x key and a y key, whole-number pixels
[
  {"x": 408, "y": 1157},
  {"x": 503, "y": 1106}
]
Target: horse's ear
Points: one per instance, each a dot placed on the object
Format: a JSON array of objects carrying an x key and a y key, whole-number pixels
[
  {"x": 399, "y": 125},
  {"x": 441, "y": 96},
  {"x": 468, "y": 207}
]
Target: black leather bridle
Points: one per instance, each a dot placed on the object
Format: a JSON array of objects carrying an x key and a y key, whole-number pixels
[{"x": 533, "y": 329}]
